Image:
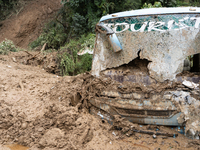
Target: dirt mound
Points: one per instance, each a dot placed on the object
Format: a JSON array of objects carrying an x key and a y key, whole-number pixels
[
  {"x": 26, "y": 26},
  {"x": 46, "y": 61}
]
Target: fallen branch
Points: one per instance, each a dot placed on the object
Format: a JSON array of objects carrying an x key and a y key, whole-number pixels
[
  {"x": 28, "y": 53},
  {"x": 43, "y": 47},
  {"x": 33, "y": 57}
]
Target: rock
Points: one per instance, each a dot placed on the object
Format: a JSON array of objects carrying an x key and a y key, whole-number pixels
[
  {"x": 24, "y": 125},
  {"x": 13, "y": 58},
  {"x": 168, "y": 96},
  {"x": 189, "y": 84},
  {"x": 154, "y": 136},
  {"x": 40, "y": 129},
  {"x": 49, "y": 11},
  {"x": 181, "y": 119}
]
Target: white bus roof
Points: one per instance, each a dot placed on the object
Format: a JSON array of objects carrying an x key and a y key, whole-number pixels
[{"x": 153, "y": 11}]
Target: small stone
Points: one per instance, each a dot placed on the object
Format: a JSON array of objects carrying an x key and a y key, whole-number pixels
[
  {"x": 24, "y": 125},
  {"x": 179, "y": 89},
  {"x": 167, "y": 97},
  {"x": 49, "y": 11},
  {"x": 180, "y": 120},
  {"x": 40, "y": 129},
  {"x": 31, "y": 124},
  {"x": 13, "y": 58},
  {"x": 154, "y": 136},
  {"x": 190, "y": 84}
]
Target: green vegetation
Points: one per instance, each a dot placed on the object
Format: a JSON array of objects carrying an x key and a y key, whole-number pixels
[
  {"x": 7, "y": 46},
  {"x": 79, "y": 17},
  {"x": 53, "y": 34},
  {"x": 172, "y": 3},
  {"x": 7, "y": 7},
  {"x": 70, "y": 62},
  {"x": 156, "y": 4}
]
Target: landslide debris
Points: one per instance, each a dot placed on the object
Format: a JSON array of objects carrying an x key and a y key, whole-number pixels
[{"x": 37, "y": 111}]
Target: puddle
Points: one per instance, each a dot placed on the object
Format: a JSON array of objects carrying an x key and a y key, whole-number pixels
[{"x": 16, "y": 147}]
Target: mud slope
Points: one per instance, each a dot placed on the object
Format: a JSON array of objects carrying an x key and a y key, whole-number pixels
[
  {"x": 26, "y": 26},
  {"x": 36, "y": 111}
]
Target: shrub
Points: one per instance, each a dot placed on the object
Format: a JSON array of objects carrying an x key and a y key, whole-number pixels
[
  {"x": 70, "y": 62},
  {"x": 7, "y": 7},
  {"x": 6, "y": 47},
  {"x": 53, "y": 34}
]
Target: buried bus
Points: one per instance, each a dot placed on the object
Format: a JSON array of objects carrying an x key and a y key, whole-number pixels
[{"x": 157, "y": 51}]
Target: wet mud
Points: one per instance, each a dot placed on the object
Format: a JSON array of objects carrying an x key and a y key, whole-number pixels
[{"x": 44, "y": 111}]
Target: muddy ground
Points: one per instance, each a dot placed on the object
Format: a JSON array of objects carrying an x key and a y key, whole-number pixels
[{"x": 37, "y": 112}]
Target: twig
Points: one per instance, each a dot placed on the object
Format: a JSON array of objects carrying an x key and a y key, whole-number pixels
[
  {"x": 33, "y": 56},
  {"x": 28, "y": 53},
  {"x": 43, "y": 47}
]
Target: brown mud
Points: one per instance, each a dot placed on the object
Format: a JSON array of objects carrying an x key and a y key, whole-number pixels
[{"x": 38, "y": 111}]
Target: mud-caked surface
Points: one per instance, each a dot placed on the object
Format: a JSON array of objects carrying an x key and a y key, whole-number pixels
[{"x": 43, "y": 111}]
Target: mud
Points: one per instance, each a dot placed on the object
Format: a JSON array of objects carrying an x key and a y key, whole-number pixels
[
  {"x": 43, "y": 60},
  {"x": 44, "y": 111}
]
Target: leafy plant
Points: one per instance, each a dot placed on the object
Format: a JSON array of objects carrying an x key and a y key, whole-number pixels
[
  {"x": 188, "y": 3},
  {"x": 6, "y": 7},
  {"x": 89, "y": 12},
  {"x": 53, "y": 34},
  {"x": 6, "y": 47},
  {"x": 87, "y": 41},
  {"x": 156, "y": 4},
  {"x": 70, "y": 62}
]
